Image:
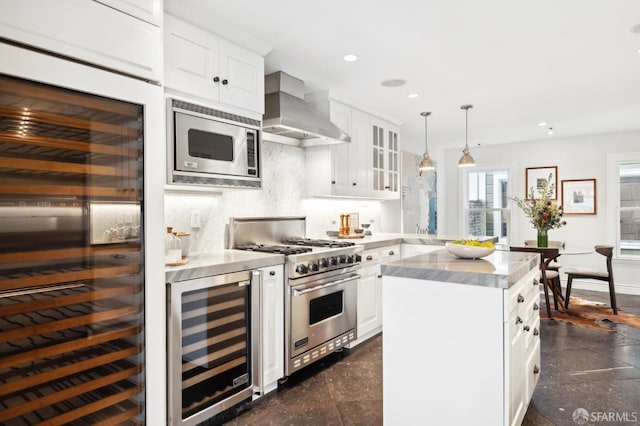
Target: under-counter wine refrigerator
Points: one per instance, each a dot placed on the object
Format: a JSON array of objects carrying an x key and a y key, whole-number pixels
[{"x": 72, "y": 261}]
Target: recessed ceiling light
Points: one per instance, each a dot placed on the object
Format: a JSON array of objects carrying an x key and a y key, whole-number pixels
[
  {"x": 412, "y": 95},
  {"x": 350, "y": 57},
  {"x": 550, "y": 131},
  {"x": 542, "y": 123},
  {"x": 394, "y": 82}
]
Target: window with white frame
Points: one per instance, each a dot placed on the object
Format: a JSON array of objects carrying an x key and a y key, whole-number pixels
[
  {"x": 629, "y": 209},
  {"x": 486, "y": 204}
]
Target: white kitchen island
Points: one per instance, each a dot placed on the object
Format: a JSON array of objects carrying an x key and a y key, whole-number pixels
[{"x": 461, "y": 338}]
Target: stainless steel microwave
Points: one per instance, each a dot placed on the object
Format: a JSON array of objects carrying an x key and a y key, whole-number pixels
[{"x": 209, "y": 147}]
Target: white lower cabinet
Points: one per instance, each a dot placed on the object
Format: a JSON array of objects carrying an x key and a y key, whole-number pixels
[
  {"x": 464, "y": 354},
  {"x": 370, "y": 291},
  {"x": 522, "y": 346},
  {"x": 272, "y": 329}
]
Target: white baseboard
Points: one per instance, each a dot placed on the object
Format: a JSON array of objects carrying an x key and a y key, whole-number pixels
[{"x": 603, "y": 287}]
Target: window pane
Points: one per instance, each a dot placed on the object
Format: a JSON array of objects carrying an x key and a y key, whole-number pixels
[
  {"x": 630, "y": 185},
  {"x": 630, "y": 209},
  {"x": 493, "y": 223}
]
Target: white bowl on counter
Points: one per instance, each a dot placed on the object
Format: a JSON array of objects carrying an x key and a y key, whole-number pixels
[{"x": 468, "y": 252}]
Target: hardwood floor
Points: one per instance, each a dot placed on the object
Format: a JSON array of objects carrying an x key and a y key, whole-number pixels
[{"x": 595, "y": 370}]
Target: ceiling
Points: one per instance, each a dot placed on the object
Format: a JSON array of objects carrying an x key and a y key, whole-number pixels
[{"x": 571, "y": 63}]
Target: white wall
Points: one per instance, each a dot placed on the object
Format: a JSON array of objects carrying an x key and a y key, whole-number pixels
[{"x": 582, "y": 157}]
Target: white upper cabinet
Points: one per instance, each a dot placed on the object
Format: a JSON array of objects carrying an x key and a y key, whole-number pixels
[
  {"x": 385, "y": 154},
  {"x": 147, "y": 10},
  {"x": 365, "y": 167},
  {"x": 203, "y": 65},
  {"x": 88, "y": 31}
]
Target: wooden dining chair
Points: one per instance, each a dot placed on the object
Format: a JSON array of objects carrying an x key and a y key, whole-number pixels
[
  {"x": 547, "y": 277},
  {"x": 553, "y": 265},
  {"x": 591, "y": 274}
]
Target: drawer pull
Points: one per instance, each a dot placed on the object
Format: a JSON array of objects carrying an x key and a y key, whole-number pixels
[
  {"x": 520, "y": 298},
  {"x": 526, "y": 328},
  {"x": 535, "y": 282},
  {"x": 536, "y": 307},
  {"x": 536, "y": 370},
  {"x": 391, "y": 253},
  {"x": 369, "y": 257},
  {"x": 535, "y": 332},
  {"x": 518, "y": 320},
  {"x": 380, "y": 276},
  {"x": 272, "y": 273}
]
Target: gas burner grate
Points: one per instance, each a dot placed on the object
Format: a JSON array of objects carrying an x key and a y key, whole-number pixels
[
  {"x": 317, "y": 243},
  {"x": 286, "y": 250}
]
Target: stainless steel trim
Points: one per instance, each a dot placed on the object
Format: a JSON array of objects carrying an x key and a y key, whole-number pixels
[
  {"x": 331, "y": 284},
  {"x": 257, "y": 336},
  {"x": 174, "y": 346}
]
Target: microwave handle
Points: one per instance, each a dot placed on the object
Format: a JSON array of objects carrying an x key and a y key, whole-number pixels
[{"x": 331, "y": 284}]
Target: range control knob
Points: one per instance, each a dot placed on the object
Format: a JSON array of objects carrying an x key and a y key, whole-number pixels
[
  {"x": 358, "y": 258},
  {"x": 302, "y": 269},
  {"x": 324, "y": 262},
  {"x": 343, "y": 259},
  {"x": 349, "y": 259},
  {"x": 314, "y": 267},
  {"x": 334, "y": 261}
]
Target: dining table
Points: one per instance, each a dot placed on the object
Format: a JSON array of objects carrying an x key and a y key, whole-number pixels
[{"x": 562, "y": 250}]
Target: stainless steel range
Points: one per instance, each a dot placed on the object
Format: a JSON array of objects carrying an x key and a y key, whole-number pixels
[{"x": 321, "y": 285}]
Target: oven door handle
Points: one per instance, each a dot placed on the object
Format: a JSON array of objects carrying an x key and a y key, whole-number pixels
[{"x": 331, "y": 284}]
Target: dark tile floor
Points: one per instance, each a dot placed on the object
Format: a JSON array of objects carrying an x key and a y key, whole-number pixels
[{"x": 596, "y": 370}]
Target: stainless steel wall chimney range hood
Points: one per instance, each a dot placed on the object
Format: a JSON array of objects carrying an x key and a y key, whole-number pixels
[{"x": 287, "y": 114}]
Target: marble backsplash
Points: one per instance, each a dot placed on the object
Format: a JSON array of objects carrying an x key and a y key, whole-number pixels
[{"x": 282, "y": 194}]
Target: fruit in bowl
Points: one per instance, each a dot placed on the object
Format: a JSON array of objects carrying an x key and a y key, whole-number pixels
[{"x": 470, "y": 249}]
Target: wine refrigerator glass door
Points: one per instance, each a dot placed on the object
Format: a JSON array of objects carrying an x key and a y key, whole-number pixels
[{"x": 71, "y": 307}]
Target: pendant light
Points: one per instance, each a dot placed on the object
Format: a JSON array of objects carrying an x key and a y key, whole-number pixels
[
  {"x": 466, "y": 160},
  {"x": 426, "y": 163}
]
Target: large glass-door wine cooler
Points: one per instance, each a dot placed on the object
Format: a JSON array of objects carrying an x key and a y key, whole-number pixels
[{"x": 71, "y": 257}]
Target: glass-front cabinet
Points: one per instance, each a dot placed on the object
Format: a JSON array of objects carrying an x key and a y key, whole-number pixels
[{"x": 385, "y": 150}]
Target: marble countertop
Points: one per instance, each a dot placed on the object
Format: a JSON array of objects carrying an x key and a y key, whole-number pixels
[
  {"x": 220, "y": 262},
  {"x": 501, "y": 269},
  {"x": 386, "y": 239}
]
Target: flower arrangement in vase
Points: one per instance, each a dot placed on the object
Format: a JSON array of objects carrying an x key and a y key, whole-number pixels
[{"x": 542, "y": 212}]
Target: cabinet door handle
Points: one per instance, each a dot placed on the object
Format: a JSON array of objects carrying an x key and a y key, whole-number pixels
[
  {"x": 520, "y": 298},
  {"x": 535, "y": 332},
  {"x": 216, "y": 79},
  {"x": 272, "y": 273},
  {"x": 333, "y": 182},
  {"x": 387, "y": 187},
  {"x": 535, "y": 307},
  {"x": 535, "y": 282},
  {"x": 526, "y": 328},
  {"x": 354, "y": 184},
  {"x": 391, "y": 253},
  {"x": 518, "y": 320},
  {"x": 536, "y": 370},
  {"x": 380, "y": 276},
  {"x": 225, "y": 81}
]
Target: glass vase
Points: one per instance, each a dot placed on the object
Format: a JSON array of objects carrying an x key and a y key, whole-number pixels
[{"x": 543, "y": 238}]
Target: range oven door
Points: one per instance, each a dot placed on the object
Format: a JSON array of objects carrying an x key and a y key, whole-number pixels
[
  {"x": 213, "y": 344},
  {"x": 321, "y": 310}
]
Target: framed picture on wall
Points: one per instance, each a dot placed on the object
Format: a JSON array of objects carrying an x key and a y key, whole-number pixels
[
  {"x": 579, "y": 196},
  {"x": 536, "y": 176}
]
